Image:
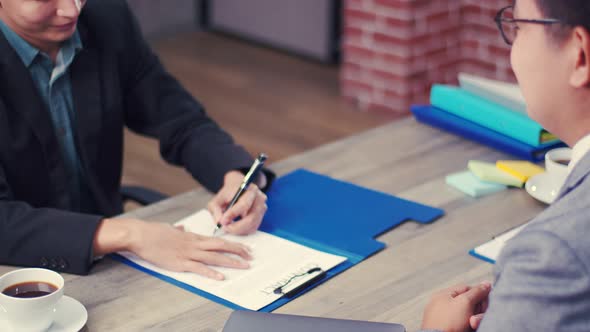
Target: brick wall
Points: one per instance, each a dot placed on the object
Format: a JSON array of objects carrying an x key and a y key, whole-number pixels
[{"x": 393, "y": 50}]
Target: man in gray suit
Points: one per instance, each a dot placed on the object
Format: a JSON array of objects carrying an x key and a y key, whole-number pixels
[{"x": 543, "y": 274}]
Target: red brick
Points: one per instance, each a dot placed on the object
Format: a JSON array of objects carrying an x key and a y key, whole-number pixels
[
  {"x": 421, "y": 4},
  {"x": 469, "y": 44},
  {"x": 388, "y": 38},
  {"x": 357, "y": 52},
  {"x": 353, "y": 32},
  {"x": 351, "y": 66},
  {"x": 382, "y": 74},
  {"x": 399, "y": 23},
  {"x": 450, "y": 65},
  {"x": 483, "y": 28},
  {"x": 351, "y": 13},
  {"x": 481, "y": 66},
  {"x": 438, "y": 17},
  {"x": 490, "y": 13},
  {"x": 499, "y": 50},
  {"x": 391, "y": 93},
  {"x": 450, "y": 32},
  {"x": 471, "y": 9},
  {"x": 388, "y": 57},
  {"x": 394, "y": 4},
  {"x": 437, "y": 53}
]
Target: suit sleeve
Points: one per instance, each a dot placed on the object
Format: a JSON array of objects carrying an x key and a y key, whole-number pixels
[
  {"x": 48, "y": 238},
  {"x": 158, "y": 106},
  {"x": 543, "y": 286}
]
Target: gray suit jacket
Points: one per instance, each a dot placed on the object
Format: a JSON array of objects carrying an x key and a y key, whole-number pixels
[{"x": 542, "y": 277}]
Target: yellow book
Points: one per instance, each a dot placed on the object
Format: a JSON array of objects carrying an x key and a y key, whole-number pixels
[
  {"x": 547, "y": 137},
  {"x": 488, "y": 172},
  {"x": 523, "y": 170}
]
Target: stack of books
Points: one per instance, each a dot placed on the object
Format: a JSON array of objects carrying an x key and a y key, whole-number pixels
[{"x": 489, "y": 112}]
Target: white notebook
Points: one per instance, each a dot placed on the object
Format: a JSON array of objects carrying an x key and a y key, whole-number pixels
[
  {"x": 490, "y": 251},
  {"x": 275, "y": 261},
  {"x": 506, "y": 94}
]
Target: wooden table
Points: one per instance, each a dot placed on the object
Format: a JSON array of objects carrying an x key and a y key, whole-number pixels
[{"x": 405, "y": 159}]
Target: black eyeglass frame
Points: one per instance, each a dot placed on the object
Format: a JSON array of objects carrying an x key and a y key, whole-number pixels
[{"x": 499, "y": 20}]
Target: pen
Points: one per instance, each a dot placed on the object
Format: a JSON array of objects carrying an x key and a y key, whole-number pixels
[
  {"x": 248, "y": 178},
  {"x": 295, "y": 291}
]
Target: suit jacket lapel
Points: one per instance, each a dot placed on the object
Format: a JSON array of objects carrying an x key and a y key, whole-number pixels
[
  {"x": 20, "y": 95},
  {"x": 580, "y": 171},
  {"x": 86, "y": 90}
]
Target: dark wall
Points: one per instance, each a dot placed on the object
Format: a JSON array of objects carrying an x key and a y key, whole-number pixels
[{"x": 163, "y": 17}]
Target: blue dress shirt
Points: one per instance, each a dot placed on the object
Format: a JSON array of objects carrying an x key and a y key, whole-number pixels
[{"x": 54, "y": 86}]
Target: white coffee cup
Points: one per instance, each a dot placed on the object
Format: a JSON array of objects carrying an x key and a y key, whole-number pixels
[
  {"x": 556, "y": 162},
  {"x": 32, "y": 314}
]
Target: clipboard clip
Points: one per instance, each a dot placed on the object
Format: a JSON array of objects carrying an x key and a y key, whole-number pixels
[{"x": 293, "y": 292}]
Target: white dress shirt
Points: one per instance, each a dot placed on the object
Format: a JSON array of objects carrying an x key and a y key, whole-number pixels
[{"x": 579, "y": 151}]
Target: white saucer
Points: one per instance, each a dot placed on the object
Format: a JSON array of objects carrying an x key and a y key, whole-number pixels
[
  {"x": 70, "y": 316},
  {"x": 544, "y": 187}
]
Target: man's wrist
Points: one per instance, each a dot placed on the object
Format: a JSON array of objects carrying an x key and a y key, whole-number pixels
[{"x": 114, "y": 235}]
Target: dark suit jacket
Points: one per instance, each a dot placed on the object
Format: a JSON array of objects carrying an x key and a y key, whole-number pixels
[{"x": 117, "y": 81}]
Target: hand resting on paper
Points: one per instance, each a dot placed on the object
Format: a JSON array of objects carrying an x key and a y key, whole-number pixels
[{"x": 170, "y": 247}]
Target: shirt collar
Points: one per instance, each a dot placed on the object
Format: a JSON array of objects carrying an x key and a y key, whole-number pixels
[
  {"x": 74, "y": 42},
  {"x": 580, "y": 149},
  {"x": 27, "y": 52}
]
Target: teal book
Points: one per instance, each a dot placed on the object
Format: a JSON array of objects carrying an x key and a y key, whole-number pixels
[{"x": 490, "y": 115}]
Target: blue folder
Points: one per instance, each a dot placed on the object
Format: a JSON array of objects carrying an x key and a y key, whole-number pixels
[
  {"x": 441, "y": 119},
  {"x": 328, "y": 215}
]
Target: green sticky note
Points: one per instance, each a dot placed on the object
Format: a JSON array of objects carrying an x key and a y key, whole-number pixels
[
  {"x": 471, "y": 185},
  {"x": 488, "y": 172}
]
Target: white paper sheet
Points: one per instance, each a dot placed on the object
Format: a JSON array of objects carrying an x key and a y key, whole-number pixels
[
  {"x": 275, "y": 260},
  {"x": 493, "y": 248},
  {"x": 506, "y": 94}
]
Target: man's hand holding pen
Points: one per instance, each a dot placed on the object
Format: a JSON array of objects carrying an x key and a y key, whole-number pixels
[
  {"x": 240, "y": 197},
  {"x": 250, "y": 207}
]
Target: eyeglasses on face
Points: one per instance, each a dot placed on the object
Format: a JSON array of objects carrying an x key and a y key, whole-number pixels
[{"x": 508, "y": 25}]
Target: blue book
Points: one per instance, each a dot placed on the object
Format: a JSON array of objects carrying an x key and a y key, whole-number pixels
[
  {"x": 439, "y": 118},
  {"x": 490, "y": 115}
]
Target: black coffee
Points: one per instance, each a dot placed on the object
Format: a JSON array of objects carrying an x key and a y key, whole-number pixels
[
  {"x": 564, "y": 162},
  {"x": 30, "y": 289}
]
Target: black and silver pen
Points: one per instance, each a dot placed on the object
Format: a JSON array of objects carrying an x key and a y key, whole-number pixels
[{"x": 248, "y": 179}]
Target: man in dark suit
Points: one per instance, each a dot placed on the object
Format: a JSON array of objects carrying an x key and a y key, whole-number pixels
[{"x": 72, "y": 76}]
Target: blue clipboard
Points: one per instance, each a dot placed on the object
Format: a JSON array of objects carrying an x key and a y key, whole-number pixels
[{"x": 328, "y": 215}]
